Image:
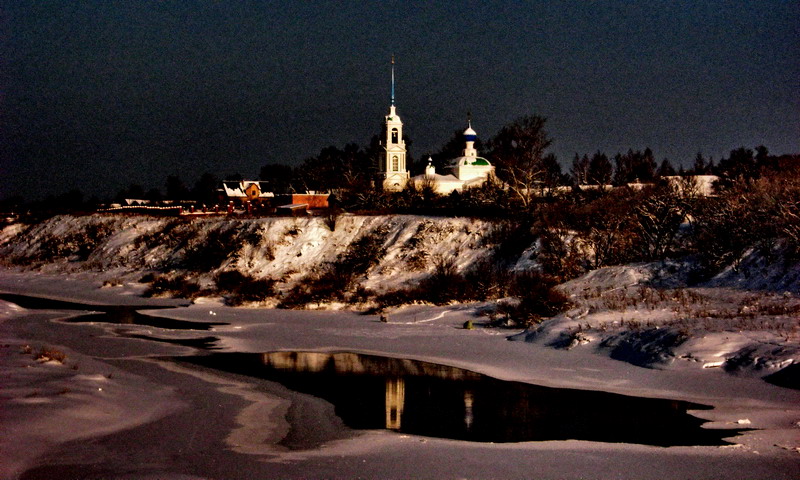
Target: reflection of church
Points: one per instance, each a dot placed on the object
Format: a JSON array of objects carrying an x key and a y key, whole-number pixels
[
  {"x": 408, "y": 388},
  {"x": 395, "y": 401},
  {"x": 468, "y": 170}
]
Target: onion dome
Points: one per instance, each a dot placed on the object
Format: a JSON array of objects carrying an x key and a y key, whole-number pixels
[{"x": 470, "y": 135}]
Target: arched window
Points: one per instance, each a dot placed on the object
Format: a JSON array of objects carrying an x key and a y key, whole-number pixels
[
  {"x": 394, "y": 135},
  {"x": 395, "y": 163}
]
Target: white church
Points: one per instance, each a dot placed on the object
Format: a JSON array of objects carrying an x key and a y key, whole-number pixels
[{"x": 468, "y": 170}]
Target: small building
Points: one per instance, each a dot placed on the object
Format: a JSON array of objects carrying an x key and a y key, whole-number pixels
[{"x": 252, "y": 191}]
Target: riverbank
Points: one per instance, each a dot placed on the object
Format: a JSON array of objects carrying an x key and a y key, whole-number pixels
[{"x": 156, "y": 419}]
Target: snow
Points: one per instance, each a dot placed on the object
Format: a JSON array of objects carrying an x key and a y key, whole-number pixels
[
  {"x": 50, "y": 403},
  {"x": 146, "y": 395}
]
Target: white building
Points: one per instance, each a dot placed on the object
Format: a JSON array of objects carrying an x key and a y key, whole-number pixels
[{"x": 468, "y": 170}]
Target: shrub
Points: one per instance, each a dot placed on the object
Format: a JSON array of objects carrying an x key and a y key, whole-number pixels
[
  {"x": 170, "y": 235},
  {"x": 608, "y": 227},
  {"x": 444, "y": 285},
  {"x": 219, "y": 245},
  {"x": 180, "y": 286},
  {"x": 73, "y": 245},
  {"x": 253, "y": 235},
  {"x": 518, "y": 237},
  {"x": 148, "y": 278},
  {"x": 48, "y": 354},
  {"x": 241, "y": 288},
  {"x": 538, "y": 299},
  {"x": 559, "y": 257},
  {"x": 488, "y": 280}
]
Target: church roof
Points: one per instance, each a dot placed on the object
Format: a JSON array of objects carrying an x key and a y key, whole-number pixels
[
  {"x": 449, "y": 178},
  {"x": 476, "y": 161}
]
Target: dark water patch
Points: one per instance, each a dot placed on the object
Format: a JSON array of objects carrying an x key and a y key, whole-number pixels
[
  {"x": 119, "y": 314},
  {"x": 420, "y": 398},
  {"x": 203, "y": 343},
  {"x": 132, "y": 317}
]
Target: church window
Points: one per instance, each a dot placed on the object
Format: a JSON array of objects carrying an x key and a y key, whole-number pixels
[
  {"x": 395, "y": 163},
  {"x": 394, "y": 135}
]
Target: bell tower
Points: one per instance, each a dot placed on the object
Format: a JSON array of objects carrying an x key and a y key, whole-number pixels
[{"x": 393, "y": 166}]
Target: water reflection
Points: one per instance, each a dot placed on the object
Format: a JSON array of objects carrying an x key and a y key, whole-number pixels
[
  {"x": 372, "y": 392},
  {"x": 395, "y": 399}
]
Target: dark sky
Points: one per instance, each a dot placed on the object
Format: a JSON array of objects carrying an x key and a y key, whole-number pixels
[{"x": 100, "y": 94}]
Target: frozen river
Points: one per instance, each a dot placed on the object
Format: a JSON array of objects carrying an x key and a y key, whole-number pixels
[{"x": 122, "y": 406}]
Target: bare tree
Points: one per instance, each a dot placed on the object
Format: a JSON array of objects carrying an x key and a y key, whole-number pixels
[
  {"x": 580, "y": 169},
  {"x": 518, "y": 151},
  {"x": 658, "y": 218}
]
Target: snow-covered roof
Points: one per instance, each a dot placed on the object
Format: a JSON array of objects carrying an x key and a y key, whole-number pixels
[
  {"x": 472, "y": 161},
  {"x": 236, "y": 189},
  {"x": 293, "y": 206},
  {"x": 436, "y": 177}
]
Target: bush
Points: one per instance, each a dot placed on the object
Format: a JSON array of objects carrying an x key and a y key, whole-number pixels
[
  {"x": 47, "y": 354},
  {"x": 241, "y": 288},
  {"x": 180, "y": 286},
  {"x": 148, "y": 278},
  {"x": 538, "y": 298},
  {"x": 536, "y": 293},
  {"x": 219, "y": 245},
  {"x": 170, "y": 235},
  {"x": 560, "y": 257}
]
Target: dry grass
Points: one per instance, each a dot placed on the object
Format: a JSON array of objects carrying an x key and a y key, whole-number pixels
[
  {"x": 44, "y": 354},
  {"x": 692, "y": 312}
]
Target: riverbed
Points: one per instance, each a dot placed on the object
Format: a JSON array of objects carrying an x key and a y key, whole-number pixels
[{"x": 119, "y": 406}]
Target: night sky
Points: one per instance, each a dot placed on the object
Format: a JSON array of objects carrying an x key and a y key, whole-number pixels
[{"x": 97, "y": 95}]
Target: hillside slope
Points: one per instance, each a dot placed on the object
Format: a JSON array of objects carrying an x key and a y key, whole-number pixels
[{"x": 284, "y": 249}]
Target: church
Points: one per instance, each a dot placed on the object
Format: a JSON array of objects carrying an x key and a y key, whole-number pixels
[{"x": 468, "y": 170}]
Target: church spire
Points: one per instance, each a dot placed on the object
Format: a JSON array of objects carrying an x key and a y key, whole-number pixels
[
  {"x": 393, "y": 80},
  {"x": 393, "y": 166}
]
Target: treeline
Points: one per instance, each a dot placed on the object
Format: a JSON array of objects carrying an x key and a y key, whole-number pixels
[
  {"x": 526, "y": 173},
  {"x": 529, "y": 182}
]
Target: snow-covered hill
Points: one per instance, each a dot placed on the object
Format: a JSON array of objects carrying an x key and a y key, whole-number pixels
[{"x": 284, "y": 249}]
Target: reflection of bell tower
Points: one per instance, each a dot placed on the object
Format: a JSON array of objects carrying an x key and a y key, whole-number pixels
[
  {"x": 469, "y": 416},
  {"x": 395, "y": 398},
  {"x": 393, "y": 166}
]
